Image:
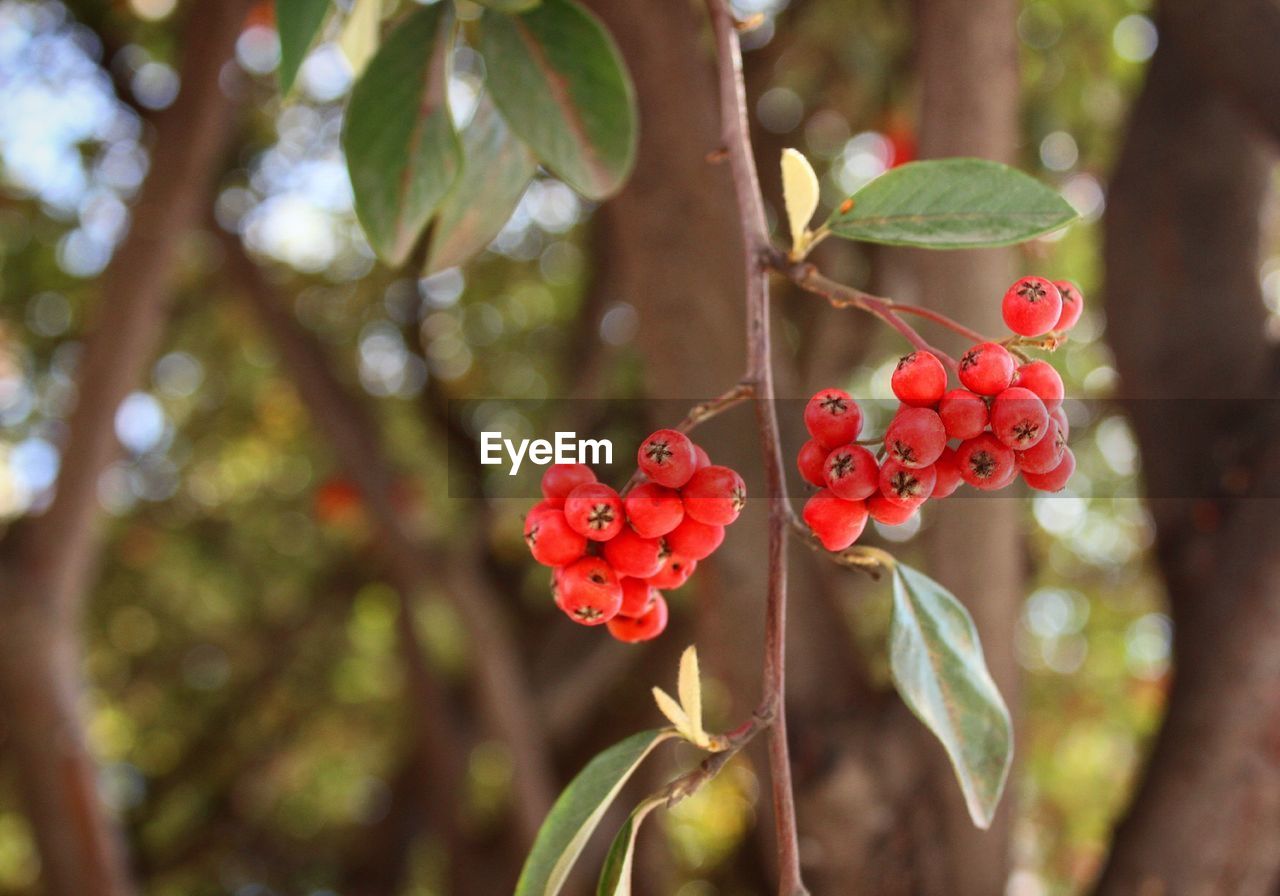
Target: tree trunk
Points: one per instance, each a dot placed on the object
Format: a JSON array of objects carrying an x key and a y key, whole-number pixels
[
  {"x": 50, "y": 562},
  {"x": 1187, "y": 323}
]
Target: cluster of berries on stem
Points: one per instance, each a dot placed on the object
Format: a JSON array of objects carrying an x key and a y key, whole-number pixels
[
  {"x": 1005, "y": 420},
  {"x": 612, "y": 555}
]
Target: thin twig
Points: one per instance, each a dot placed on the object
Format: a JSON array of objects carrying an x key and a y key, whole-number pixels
[
  {"x": 755, "y": 238},
  {"x": 860, "y": 557}
]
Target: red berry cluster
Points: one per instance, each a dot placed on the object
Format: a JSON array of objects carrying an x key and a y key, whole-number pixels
[
  {"x": 613, "y": 556},
  {"x": 1007, "y": 419}
]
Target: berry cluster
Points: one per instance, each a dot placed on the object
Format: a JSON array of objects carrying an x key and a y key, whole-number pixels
[
  {"x": 1007, "y": 419},
  {"x": 613, "y": 555}
]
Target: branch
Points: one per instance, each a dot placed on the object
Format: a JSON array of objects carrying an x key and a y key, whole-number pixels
[{"x": 735, "y": 134}]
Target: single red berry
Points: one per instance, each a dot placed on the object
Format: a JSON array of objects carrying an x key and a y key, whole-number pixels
[
  {"x": 667, "y": 457},
  {"x": 560, "y": 479},
  {"x": 837, "y": 523},
  {"x": 812, "y": 461},
  {"x": 1031, "y": 306},
  {"x": 674, "y": 573},
  {"x": 1045, "y": 454},
  {"x": 1060, "y": 415},
  {"x": 550, "y": 538},
  {"x": 833, "y": 418},
  {"x": 637, "y": 596},
  {"x": 1072, "y": 305},
  {"x": 905, "y": 485},
  {"x": 642, "y": 628},
  {"x": 701, "y": 458},
  {"x": 984, "y": 461},
  {"x": 919, "y": 380},
  {"x": 631, "y": 554},
  {"x": 715, "y": 495},
  {"x": 948, "y": 473},
  {"x": 594, "y": 510},
  {"x": 963, "y": 414},
  {"x": 916, "y": 437},
  {"x": 654, "y": 510},
  {"x": 589, "y": 591},
  {"x": 1056, "y": 479},
  {"x": 887, "y": 513},
  {"x": 694, "y": 539},
  {"x": 987, "y": 368},
  {"x": 1019, "y": 418},
  {"x": 851, "y": 472},
  {"x": 541, "y": 506},
  {"x": 1042, "y": 379}
]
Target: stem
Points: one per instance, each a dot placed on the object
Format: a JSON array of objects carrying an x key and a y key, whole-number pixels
[{"x": 756, "y": 248}]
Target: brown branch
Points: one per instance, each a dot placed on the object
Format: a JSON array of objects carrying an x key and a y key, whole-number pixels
[
  {"x": 54, "y": 554},
  {"x": 755, "y": 238},
  {"x": 505, "y": 699}
]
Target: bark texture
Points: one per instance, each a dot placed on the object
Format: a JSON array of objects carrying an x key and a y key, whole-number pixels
[
  {"x": 50, "y": 560},
  {"x": 1187, "y": 322}
]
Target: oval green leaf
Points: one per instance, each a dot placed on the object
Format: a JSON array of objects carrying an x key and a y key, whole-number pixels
[
  {"x": 578, "y": 811},
  {"x": 940, "y": 672},
  {"x": 496, "y": 168},
  {"x": 558, "y": 79},
  {"x": 615, "y": 874},
  {"x": 297, "y": 23},
  {"x": 402, "y": 151},
  {"x": 951, "y": 204}
]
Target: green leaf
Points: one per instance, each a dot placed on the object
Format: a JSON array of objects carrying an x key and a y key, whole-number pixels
[
  {"x": 510, "y": 5},
  {"x": 402, "y": 151},
  {"x": 496, "y": 168},
  {"x": 558, "y": 79},
  {"x": 615, "y": 875},
  {"x": 951, "y": 204},
  {"x": 297, "y": 22},
  {"x": 578, "y": 811},
  {"x": 940, "y": 672}
]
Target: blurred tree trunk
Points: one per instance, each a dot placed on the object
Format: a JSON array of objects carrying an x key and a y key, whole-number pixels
[
  {"x": 1188, "y": 325},
  {"x": 50, "y": 560}
]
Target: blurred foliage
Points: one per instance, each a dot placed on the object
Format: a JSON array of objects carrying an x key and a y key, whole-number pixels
[{"x": 247, "y": 692}]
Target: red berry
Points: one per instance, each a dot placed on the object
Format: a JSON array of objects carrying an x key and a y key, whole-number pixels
[
  {"x": 654, "y": 510},
  {"x": 836, "y": 522},
  {"x": 1018, "y": 418},
  {"x": 987, "y": 368},
  {"x": 906, "y": 486},
  {"x": 948, "y": 473},
  {"x": 560, "y": 479},
  {"x": 667, "y": 457},
  {"x": 916, "y": 437},
  {"x": 589, "y": 591},
  {"x": 701, "y": 458},
  {"x": 642, "y": 628},
  {"x": 851, "y": 473},
  {"x": 674, "y": 573},
  {"x": 887, "y": 513},
  {"x": 1060, "y": 415},
  {"x": 1032, "y": 306},
  {"x": 963, "y": 414},
  {"x": 694, "y": 539},
  {"x": 715, "y": 495},
  {"x": 1072, "y": 304},
  {"x": 812, "y": 461},
  {"x": 984, "y": 461},
  {"x": 550, "y": 539},
  {"x": 637, "y": 596},
  {"x": 832, "y": 417},
  {"x": 1056, "y": 479},
  {"x": 1045, "y": 454},
  {"x": 631, "y": 554},
  {"x": 919, "y": 380},
  {"x": 594, "y": 510},
  {"x": 1043, "y": 380}
]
